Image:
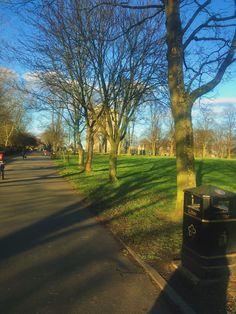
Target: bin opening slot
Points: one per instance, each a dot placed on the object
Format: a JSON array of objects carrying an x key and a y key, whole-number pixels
[
  {"x": 194, "y": 204},
  {"x": 221, "y": 206}
]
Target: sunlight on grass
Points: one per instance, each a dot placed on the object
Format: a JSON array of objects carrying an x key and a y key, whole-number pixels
[{"x": 139, "y": 208}]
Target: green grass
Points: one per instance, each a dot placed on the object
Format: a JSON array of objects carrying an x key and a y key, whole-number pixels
[{"x": 139, "y": 207}]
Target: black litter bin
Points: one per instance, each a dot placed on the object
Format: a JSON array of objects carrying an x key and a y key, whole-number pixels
[{"x": 209, "y": 232}]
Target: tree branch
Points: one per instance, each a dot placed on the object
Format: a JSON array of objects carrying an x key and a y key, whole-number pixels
[
  {"x": 142, "y": 21},
  {"x": 207, "y": 25},
  {"x": 229, "y": 59},
  {"x": 210, "y": 38},
  {"x": 196, "y": 13},
  {"x": 125, "y": 5}
]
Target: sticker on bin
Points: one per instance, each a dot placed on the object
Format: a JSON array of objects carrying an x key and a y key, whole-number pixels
[
  {"x": 220, "y": 192},
  {"x": 192, "y": 230}
]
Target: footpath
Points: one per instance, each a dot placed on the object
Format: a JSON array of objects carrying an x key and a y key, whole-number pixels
[{"x": 55, "y": 257}]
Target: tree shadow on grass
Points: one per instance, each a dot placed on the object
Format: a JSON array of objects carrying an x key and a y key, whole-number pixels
[
  {"x": 37, "y": 282},
  {"x": 155, "y": 178},
  {"x": 216, "y": 172}
]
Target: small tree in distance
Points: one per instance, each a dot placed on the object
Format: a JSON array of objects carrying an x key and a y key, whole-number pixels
[{"x": 229, "y": 126}]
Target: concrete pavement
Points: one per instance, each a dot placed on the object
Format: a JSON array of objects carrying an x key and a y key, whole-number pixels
[{"x": 54, "y": 255}]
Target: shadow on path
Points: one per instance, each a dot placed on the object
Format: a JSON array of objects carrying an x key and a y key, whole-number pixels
[{"x": 56, "y": 258}]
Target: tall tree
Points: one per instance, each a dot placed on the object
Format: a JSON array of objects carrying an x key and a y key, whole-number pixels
[
  {"x": 127, "y": 68},
  {"x": 201, "y": 41},
  {"x": 12, "y": 112},
  {"x": 58, "y": 58},
  {"x": 188, "y": 82},
  {"x": 105, "y": 73}
]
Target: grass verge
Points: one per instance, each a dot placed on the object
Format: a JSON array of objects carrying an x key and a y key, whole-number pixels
[{"x": 139, "y": 207}]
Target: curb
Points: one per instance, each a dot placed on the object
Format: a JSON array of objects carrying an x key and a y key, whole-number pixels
[{"x": 161, "y": 282}]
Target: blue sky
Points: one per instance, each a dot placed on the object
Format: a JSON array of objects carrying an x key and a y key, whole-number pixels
[{"x": 12, "y": 30}]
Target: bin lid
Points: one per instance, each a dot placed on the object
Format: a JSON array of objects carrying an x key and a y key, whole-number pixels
[{"x": 211, "y": 191}]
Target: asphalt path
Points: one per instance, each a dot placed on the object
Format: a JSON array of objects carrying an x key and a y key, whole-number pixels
[{"x": 55, "y": 257}]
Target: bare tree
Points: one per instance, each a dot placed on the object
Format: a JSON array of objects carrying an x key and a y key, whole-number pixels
[
  {"x": 154, "y": 131},
  {"x": 218, "y": 143},
  {"x": 12, "y": 112},
  {"x": 200, "y": 48},
  {"x": 229, "y": 126},
  {"x": 203, "y": 133},
  {"x": 127, "y": 69},
  {"x": 54, "y": 135},
  {"x": 128, "y": 141},
  {"x": 61, "y": 68}
]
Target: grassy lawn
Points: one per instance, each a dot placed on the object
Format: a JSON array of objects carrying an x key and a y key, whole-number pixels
[{"x": 139, "y": 208}]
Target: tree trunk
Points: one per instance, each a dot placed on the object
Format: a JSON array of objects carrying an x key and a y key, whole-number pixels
[
  {"x": 203, "y": 150},
  {"x": 172, "y": 148},
  {"x": 113, "y": 162},
  {"x": 185, "y": 163},
  {"x": 181, "y": 103},
  {"x": 119, "y": 149},
  {"x": 75, "y": 141},
  {"x": 90, "y": 139},
  {"x": 8, "y": 135},
  {"x": 80, "y": 151},
  {"x": 80, "y": 155},
  {"x": 129, "y": 151},
  {"x": 154, "y": 149},
  {"x": 229, "y": 148}
]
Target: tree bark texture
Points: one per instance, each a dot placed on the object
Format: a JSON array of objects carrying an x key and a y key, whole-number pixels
[
  {"x": 181, "y": 103},
  {"x": 80, "y": 155},
  {"x": 154, "y": 149},
  {"x": 113, "y": 162},
  {"x": 80, "y": 151},
  {"x": 185, "y": 164},
  {"x": 90, "y": 141}
]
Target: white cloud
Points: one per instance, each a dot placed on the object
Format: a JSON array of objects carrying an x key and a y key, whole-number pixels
[
  {"x": 225, "y": 101},
  {"x": 30, "y": 77},
  {"x": 217, "y": 105}
]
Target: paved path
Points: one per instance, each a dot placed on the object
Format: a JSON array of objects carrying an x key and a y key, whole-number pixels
[{"x": 55, "y": 257}]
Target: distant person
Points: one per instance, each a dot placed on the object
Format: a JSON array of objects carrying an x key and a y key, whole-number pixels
[
  {"x": 45, "y": 152},
  {"x": 2, "y": 165},
  {"x": 24, "y": 154},
  {"x": 52, "y": 154}
]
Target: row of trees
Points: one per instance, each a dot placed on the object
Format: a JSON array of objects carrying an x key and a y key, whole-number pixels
[
  {"x": 214, "y": 135},
  {"x": 97, "y": 61},
  {"x": 12, "y": 114},
  {"x": 93, "y": 72}
]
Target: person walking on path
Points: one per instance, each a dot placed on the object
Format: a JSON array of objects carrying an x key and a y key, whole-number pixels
[
  {"x": 2, "y": 165},
  {"x": 24, "y": 153}
]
